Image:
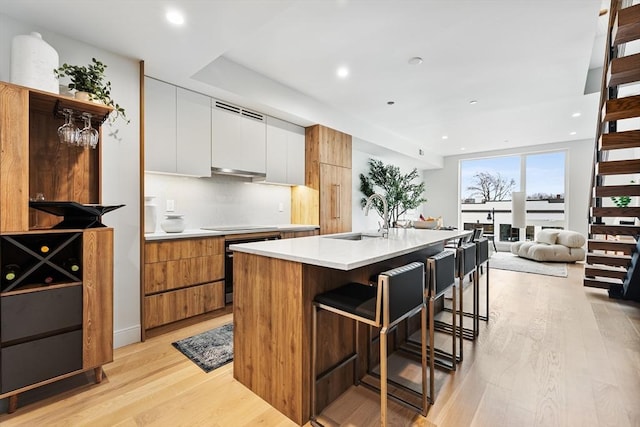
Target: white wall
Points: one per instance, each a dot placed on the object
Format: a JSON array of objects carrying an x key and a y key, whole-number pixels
[
  {"x": 120, "y": 171},
  {"x": 443, "y": 191},
  {"x": 220, "y": 200}
]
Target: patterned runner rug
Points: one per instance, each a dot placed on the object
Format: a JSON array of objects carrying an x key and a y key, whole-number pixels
[{"x": 209, "y": 350}]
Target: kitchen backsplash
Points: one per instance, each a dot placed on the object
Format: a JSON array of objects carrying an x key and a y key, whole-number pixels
[{"x": 220, "y": 200}]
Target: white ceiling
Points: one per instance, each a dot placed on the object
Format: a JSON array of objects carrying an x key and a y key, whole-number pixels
[{"x": 524, "y": 61}]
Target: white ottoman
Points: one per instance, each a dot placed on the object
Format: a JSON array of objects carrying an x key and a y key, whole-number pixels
[{"x": 552, "y": 245}]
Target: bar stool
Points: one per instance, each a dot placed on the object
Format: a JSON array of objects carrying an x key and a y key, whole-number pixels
[
  {"x": 465, "y": 256},
  {"x": 399, "y": 294},
  {"x": 482, "y": 259}
]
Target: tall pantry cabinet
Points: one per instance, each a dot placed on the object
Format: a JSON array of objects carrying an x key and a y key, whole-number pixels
[
  {"x": 326, "y": 199},
  {"x": 56, "y": 294}
]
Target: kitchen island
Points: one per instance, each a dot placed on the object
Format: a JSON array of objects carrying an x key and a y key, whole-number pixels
[{"x": 275, "y": 283}]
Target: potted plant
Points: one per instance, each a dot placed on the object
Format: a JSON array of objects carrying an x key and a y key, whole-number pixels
[
  {"x": 399, "y": 189},
  {"x": 91, "y": 80},
  {"x": 623, "y": 202}
]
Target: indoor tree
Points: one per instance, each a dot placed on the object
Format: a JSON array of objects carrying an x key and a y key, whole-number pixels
[{"x": 397, "y": 188}]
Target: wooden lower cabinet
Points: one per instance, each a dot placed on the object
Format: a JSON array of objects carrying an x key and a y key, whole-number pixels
[
  {"x": 55, "y": 322},
  {"x": 167, "y": 307},
  {"x": 182, "y": 278},
  {"x": 294, "y": 234}
]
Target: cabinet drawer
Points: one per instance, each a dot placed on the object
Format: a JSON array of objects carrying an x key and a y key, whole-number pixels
[
  {"x": 182, "y": 248},
  {"x": 34, "y": 361},
  {"x": 163, "y": 276},
  {"x": 40, "y": 312},
  {"x": 170, "y": 306}
]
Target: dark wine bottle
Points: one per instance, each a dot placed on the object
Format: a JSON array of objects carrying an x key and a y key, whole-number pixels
[
  {"x": 10, "y": 272},
  {"x": 48, "y": 280},
  {"x": 72, "y": 265}
]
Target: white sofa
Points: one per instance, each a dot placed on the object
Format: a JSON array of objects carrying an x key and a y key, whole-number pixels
[{"x": 552, "y": 245}]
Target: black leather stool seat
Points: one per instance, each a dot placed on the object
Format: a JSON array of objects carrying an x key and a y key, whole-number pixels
[{"x": 354, "y": 298}]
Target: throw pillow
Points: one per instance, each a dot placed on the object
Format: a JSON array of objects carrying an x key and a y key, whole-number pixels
[
  {"x": 547, "y": 236},
  {"x": 571, "y": 239}
]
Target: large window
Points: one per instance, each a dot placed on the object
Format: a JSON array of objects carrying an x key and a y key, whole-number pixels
[{"x": 486, "y": 186}]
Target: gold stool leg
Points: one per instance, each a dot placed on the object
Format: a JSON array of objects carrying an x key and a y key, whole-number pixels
[{"x": 383, "y": 376}]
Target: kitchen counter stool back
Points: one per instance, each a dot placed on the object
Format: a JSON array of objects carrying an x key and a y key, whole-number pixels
[{"x": 399, "y": 294}]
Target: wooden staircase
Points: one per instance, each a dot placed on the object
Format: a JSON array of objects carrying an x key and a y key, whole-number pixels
[{"x": 612, "y": 250}]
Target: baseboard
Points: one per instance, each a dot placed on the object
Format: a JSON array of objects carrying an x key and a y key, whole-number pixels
[{"x": 127, "y": 336}]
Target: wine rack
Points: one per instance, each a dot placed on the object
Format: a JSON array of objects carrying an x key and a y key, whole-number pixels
[{"x": 36, "y": 260}]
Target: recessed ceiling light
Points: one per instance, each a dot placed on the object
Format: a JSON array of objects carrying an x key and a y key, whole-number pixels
[
  {"x": 462, "y": 148},
  {"x": 572, "y": 133},
  {"x": 342, "y": 72},
  {"x": 576, "y": 115},
  {"x": 416, "y": 60},
  {"x": 445, "y": 137},
  {"x": 175, "y": 17},
  {"x": 390, "y": 102},
  {"x": 473, "y": 102}
]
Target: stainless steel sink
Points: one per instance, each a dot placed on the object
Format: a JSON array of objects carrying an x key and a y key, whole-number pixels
[{"x": 354, "y": 236}]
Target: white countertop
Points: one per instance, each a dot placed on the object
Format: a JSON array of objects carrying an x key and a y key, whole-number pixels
[
  {"x": 342, "y": 254},
  {"x": 198, "y": 232}
]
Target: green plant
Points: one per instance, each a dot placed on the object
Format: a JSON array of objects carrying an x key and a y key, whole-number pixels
[
  {"x": 398, "y": 189},
  {"x": 622, "y": 201},
  {"x": 91, "y": 79}
]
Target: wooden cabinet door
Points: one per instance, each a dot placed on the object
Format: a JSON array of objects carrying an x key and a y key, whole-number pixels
[
  {"x": 97, "y": 278},
  {"x": 14, "y": 161},
  {"x": 335, "y": 199}
]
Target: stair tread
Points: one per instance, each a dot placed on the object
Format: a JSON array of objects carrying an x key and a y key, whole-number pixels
[
  {"x": 626, "y": 247},
  {"x": 599, "y": 270},
  {"x": 628, "y": 212},
  {"x": 614, "y": 230},
  {"x": 620, "y": 140},
  {"x": 626, "y": 26},
  {"x": 621, "y": 108},
  {"x": 608, "y": 259},
  {"x": 623, "y": 70},
  {"x": 618, "y": 167},
  {"x": 602, "y": 283},
  {"x": 618, "y": 190}
]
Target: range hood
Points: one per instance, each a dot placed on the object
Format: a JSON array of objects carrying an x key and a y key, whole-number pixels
[{"x": 236, "y": 172}]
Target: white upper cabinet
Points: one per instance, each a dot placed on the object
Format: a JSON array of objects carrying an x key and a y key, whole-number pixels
[
  {"x": 177, "y": 130},
  {"x": 238, "y": 139},
  {"x": 193, "y": 133},
  {"x": 159, "y": 126},
  {"x": 285, "y": 152}
]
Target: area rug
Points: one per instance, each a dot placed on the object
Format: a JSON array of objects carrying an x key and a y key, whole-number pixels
[
  {"x": 509, "y": 261},
  {"x": 209, "y": 350}
]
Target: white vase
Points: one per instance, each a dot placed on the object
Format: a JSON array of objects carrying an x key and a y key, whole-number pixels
[
  {"x": 32, "y": 63},
  {"x": 150, "y": 215}
]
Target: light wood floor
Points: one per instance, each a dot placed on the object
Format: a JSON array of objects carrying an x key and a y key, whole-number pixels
[{"x": 553, "y": 354}]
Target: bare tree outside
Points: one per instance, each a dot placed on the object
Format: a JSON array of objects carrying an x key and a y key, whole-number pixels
[{"x": 491, "y": 187}]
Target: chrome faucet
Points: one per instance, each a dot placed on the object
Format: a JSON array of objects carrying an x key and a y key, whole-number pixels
[{"x": 385, "y": 215}]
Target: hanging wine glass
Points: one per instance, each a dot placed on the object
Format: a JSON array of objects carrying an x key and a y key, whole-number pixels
[
  {"x": 68, "y": 132},
  {"x": 88, "y": 135}
]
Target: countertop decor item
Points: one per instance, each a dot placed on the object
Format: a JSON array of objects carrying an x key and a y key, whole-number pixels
[
  {"x": 31, "y": 61},
  {"x": 76, "y": 215},
  {"x": 91, "y": 79},
  {"x": 401, "y": 192},
  {"x": 173, "y": 223},
  {"x": 150, "y": 214}
]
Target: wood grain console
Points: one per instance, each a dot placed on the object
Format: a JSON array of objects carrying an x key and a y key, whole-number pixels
[{"x": 55, "y": 321}]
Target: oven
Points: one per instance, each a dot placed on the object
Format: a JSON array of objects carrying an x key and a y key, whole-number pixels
[{"x": 228, "y": 260}]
